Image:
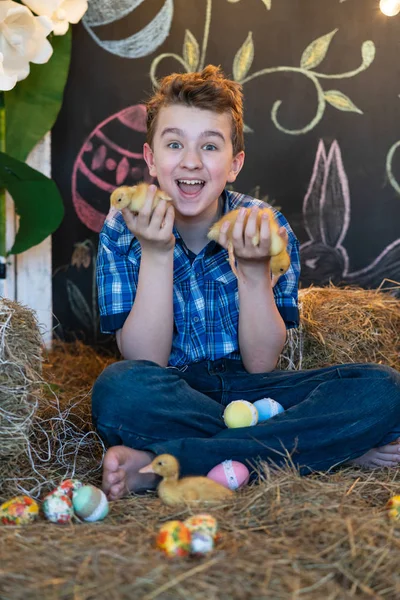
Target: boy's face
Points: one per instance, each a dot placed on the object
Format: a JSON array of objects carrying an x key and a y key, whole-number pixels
[{"x": 192, "y": 157}]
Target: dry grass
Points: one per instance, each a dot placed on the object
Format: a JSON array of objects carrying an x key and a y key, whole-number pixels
[
  {"x": 20, "y": 361},
  {"x": 342, "y": 325},
  {"x": 325, "y": 536}
]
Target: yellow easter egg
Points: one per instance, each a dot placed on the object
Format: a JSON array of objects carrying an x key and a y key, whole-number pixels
[
  {"x": 240, "y": 413},
  {"x": 173, "y": 538},
  {"x": 20, "y": 510},
  {"x": 393, "y": 508}
]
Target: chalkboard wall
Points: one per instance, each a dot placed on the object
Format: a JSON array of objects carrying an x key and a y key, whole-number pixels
[{"x": 321, "y": 80}]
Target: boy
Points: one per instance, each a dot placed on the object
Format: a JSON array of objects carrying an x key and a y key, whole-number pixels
[{"x": 195, "y": 337}]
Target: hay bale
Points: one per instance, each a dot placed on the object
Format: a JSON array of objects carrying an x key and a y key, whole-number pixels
[
  {"x": 20, "y": 365},
  {"x": 344, "y": 325}
]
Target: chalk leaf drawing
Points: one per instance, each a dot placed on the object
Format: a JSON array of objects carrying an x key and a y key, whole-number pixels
[
  {"x": 142, "y": 43},
  {"x": 311, "y": 58},
  {"x": 243, "y": 59},
  {"x": 340, "y": 101},
  {"x": 315, "y": 53},
  {"x": 191, "y": 51},
  {"x": 326, "y": 213},
  {"x": 78, "y": 305}
]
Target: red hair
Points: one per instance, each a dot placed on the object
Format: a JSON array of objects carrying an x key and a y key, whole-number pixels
[{"x": 207, "y": 90}]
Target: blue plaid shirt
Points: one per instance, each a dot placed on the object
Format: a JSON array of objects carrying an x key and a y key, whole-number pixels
[{"x": 206, "y": 298}]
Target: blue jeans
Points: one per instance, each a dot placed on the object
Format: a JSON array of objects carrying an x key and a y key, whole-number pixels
[{"x": 331, "y": 415}]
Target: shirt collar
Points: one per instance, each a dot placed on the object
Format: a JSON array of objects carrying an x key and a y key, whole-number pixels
[{"x": 212, "y": 247}]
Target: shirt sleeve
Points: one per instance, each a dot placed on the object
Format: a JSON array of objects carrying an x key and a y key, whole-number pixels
[
  {"x": 117, "y": 275},
  {"x": 286, "y": 290}
]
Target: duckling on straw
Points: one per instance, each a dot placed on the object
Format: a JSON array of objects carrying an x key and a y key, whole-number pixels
[
  {"x": 280, "y": 259},
  {"x": 134, "y": 197},
  {"x": 174, "y": 491}
]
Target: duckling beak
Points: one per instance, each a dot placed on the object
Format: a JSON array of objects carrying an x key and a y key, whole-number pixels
[{"x": 147, "y": 469}]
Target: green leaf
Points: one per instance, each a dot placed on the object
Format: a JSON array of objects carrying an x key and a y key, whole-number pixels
[
  {"x": 37, "y": 202},
  {"x": 268, "y": 4},
  {"x": 191, "y": 53},
  {"x": 243, "y": 59},
  {"x": 33, "y": 104},
  {"x": 341, "y": 102},
  {"x": 315, "y": 53}
]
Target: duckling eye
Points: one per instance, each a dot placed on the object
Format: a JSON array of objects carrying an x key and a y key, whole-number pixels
[
  {"x": 281, "y": 270},
  {"x": 119, "y": 200}
]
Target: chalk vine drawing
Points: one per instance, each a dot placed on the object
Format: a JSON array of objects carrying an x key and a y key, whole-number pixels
[
  {"x": 389, "y": 167},
  {"x": 142, "y": 43},
  {"x": 326, "y": 214},
  {"x": 193, "y": 59}
]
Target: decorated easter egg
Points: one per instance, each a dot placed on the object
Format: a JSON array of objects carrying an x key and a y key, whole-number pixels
[
  {"x": 111, "y": 156},
  {"x": 201, "y": 543},
  {"x": 57, "y": 508},
  {"x": 202, "y": 522},
  {"x": 267, "y": 408},
  {"x": 240, "y": 413},
  {"x": 90, "y": 503},
  {"x": 68, "y": 487},
  {"x": 230, "y": 473},
  {"x": 20, "y": 510},
  {"x": 145, "y": 41},
  {"x": 393, "y": 508},
  {"x": 173, "y": 539}
]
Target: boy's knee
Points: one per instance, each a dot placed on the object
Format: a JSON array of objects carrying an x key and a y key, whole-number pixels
[
  {"x": 390, "y": 376},
  {"x": 121, "y": 385},
  {"x": 385, "y": 385},
  {"x": 371, "y": 371}
]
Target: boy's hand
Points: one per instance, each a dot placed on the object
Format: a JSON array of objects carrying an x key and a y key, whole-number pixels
[
  {"x": 242, "y": 235},
  {"x": 153, "y": 229}
]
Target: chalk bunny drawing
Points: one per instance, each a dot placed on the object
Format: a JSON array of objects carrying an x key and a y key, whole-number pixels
[{"x": 326, "y": 213}]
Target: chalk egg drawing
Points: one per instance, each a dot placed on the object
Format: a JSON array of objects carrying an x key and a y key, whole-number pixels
[
  {"x": 141, "y": 43},
  {"x": 111, "y": 156}
]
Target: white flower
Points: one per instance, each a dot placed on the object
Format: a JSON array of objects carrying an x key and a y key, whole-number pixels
[
  {"x": 22, "y": 39},
  {"x": 7, "y": 82},
  {"x": 61, "y": 12}
]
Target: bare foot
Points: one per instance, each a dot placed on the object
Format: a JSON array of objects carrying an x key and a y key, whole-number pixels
[
  {"x": 385, "y": 456},
  {"x": 120, "y": 472}
]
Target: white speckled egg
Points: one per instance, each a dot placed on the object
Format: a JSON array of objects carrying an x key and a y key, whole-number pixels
[{"x": 57, "y": 508}]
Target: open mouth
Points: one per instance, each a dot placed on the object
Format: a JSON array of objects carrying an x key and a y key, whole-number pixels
[{"x": 190, "y": 186}]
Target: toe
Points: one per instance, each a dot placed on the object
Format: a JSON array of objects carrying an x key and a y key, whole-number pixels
[
  {"x": 115, "y": 477},
  {"x": 111, "y": 461},
  {"x": 117, "y": 490}
]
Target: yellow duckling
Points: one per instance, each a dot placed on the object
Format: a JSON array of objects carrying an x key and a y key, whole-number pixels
[
  {"x": 280, "y": 259},
  {"x": 134, "y": 197},
  {"x": 174, "y": 491}
]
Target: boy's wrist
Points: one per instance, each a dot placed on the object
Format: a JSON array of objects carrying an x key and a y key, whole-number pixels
[
  {"x": 254, "y": 270},
  {"x": 163, "y": 257}
]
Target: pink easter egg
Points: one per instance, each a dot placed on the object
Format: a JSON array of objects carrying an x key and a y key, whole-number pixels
[
  {"x": 111, "y": 156},
  {"x": 231, "y": 474}
]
